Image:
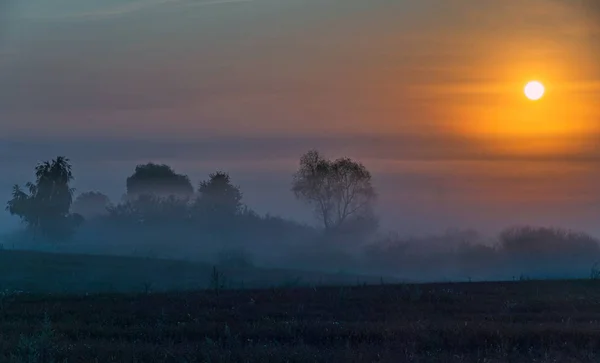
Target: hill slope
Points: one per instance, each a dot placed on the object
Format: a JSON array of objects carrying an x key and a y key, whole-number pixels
[{"x": 42, "y": 272}]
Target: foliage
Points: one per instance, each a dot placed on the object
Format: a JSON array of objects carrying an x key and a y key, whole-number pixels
[
  {"x": 216, "y": 218},
  {"x": 339, "y": 191},
  {"x": 45, "y": 206},
  {"x": 218, "y": 197},
  {"x": 540, "y": 253},
  {"x": 547, "y": 242},
  {"x": 218, "y": 201},
  {"x": 217, "y": 223},
  {"x": 158, "y": 180},
  {"x": 149, "y": 209}
]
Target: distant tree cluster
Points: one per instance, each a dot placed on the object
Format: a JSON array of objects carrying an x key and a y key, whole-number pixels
[
  {"x": 162, "y": 206},
  {"x": 159, "y": 181},
  {"x": 158, "y": 196},
  {"x": 522, "y": 251},
  {"x": 339, "y": 191}
]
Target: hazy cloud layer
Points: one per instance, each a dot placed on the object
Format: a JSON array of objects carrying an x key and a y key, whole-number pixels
[
  {"x": 421, "y": 91},
  {"x": 70, "y": 10}
]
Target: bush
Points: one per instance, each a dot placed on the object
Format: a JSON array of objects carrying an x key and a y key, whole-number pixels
[
  {"x": 543, "y": 252},
  {"x": 547, "y": 242}
]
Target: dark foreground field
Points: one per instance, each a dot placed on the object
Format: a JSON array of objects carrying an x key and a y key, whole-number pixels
[{"x": 470, "y": 322}]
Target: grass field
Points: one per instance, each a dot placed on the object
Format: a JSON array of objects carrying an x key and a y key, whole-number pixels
[
  {"x": 552, "y": 321},
  {"x": 40, "y": 272}
]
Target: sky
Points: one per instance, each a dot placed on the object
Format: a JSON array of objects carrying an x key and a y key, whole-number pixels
[{"x": 428, "y": 94}]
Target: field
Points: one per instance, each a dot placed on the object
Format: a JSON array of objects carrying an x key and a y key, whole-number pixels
[
  {"x": 551, "y": 321},
  {"x": 40, "y": 272}
]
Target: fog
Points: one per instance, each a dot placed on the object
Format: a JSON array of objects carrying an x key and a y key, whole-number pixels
[
  {"x": 162, "y": 221},
  {"x": 254, "y": 242},
  {"x": 426, "y": 95},
  {"x": 418, "y": 196},
  {"x": 247, "y": 86}
]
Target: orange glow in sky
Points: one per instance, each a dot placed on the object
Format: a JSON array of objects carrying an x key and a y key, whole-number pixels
[
  {"x": 424, "y": 90},
  {"x": 499, "y": 118}
]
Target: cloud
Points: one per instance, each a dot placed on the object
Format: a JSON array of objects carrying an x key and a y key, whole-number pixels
[
  {"x": 129, "y": 8},
  {"x": 408, "y": 147},
  {"x": 6, "y": 9},
  {"x": 216, "y": 2},
  {"x": 591, "y": 7},
  {"x": 590, "y": 15}
]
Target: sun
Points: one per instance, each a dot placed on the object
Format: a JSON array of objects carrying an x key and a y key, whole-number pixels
[{"x": 534, "y": 90}]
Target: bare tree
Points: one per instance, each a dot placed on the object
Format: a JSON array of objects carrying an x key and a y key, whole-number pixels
[{"x": 338, "y": 190}]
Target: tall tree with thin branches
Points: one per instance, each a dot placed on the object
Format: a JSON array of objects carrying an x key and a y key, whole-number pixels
[{"x": 339, "y": 191}]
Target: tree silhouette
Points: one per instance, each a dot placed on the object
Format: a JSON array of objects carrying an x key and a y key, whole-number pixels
[
  {"x": 159, "y": 181},
  {"x": 543, "y": 241},
  {"x": 339, "y": 191},
  {"x": 218, "y": 197},
  {"x": 91, "y": 205},
  {"x": 150, "y": 210},
  {"x": 45, "y": 206}
]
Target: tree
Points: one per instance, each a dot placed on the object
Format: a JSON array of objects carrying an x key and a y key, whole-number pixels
[
  {"x": 91, "y": 205},
  {"x": 159, "y": 181},
  {"x": 218, "y": 197},
  {"x": 339, "y": 191},
  {"x": 45, "y": 206},
  {"x": 150, "y": 210},
  {"x": 547, "y": 252},
  {"x": 543, "y": 241}
]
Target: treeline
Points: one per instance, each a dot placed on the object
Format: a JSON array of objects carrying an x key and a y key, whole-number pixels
[
  {"x": 162, "y": 214},
  {"x": 521, "y": 252}
]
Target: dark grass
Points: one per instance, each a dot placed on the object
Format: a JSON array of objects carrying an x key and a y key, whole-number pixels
[
  {"x": 552, "y": 321},
  {"x": 41, "y": 272}
]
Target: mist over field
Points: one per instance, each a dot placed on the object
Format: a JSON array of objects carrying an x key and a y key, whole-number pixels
[
  {"x": 415, "y": 106},
  {"x": 165, "y": 215},
  {"x": 294, "y": 181}
]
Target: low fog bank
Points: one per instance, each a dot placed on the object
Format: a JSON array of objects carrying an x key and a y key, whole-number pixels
[
  {"x": 163, "y": 216},
  {"x": 269, "y": 242}
]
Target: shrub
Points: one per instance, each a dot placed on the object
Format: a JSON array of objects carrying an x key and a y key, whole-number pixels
[{"x": 543, "y": 241}]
